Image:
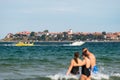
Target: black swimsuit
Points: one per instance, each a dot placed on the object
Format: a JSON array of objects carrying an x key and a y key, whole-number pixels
[
  {"x": 86, "y": 71},
  {"x": 75, "y": 70}
]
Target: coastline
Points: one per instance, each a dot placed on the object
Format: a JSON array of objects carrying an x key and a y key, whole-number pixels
[{"x": 64, "y": 41}]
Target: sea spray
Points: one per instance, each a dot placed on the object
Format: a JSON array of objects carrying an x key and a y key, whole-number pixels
[
  {"x": 61, "y": 76},
  {"x": 100, "y": 76}
]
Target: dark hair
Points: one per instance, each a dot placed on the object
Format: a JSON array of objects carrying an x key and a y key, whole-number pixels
[
  {"x": 76, "y": 55},
  {"x": 85, "y": 54},
  {"x": 84, "y": 50}
]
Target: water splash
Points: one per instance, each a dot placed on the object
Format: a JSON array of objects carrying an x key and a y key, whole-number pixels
[
  {"x": 61, "y": 76},
  {"x": 100, "y": 76},
  {"x": 115, "y": 74}
]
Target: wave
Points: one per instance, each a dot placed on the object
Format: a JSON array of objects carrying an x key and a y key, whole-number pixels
[
  {"x": 98, "y": 76},
  {"x": 59, "y": 76},
  {"x": 116, "y": 74}
]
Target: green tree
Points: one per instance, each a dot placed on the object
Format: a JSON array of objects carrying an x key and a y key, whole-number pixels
[
  {"x": 43, "y": 37},
  {"x": 104, "y": 33},
  {"x": 32, "y": 34},
  {"x": 46, "y": 31}
]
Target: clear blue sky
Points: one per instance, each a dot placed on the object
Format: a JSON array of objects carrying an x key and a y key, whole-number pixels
[{"x": 59, "y": 15}]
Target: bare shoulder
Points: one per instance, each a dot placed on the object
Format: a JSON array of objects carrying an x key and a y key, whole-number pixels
[
  {"x": 92, "y": 55},
  {"x": 79, "y": 60},
  {"x": 72, "y": 60}
]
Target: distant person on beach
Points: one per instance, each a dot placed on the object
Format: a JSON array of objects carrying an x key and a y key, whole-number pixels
[
  {"x": 74, "y": 70},
  {"x": 92, "y": 59}
]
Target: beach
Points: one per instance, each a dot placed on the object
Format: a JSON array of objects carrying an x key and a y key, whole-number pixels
[{"x": 50, "y": 61}]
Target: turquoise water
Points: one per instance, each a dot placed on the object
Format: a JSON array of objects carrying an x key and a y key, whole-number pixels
[{"x": 50, "y": 61}]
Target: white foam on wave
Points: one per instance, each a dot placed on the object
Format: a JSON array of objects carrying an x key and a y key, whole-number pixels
[
  {"x": 100, "y": 76},
  {"x": 116, "y": 74},
  {"x": 61, "y": 76}
]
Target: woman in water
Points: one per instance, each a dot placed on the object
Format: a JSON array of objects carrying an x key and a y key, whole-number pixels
[
  {"x": 85, "y": 64},
  {"x": 86, "y": 68},
  {"x": 75, "y": 61}
]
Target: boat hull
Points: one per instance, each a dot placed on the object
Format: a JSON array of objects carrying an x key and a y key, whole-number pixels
[
  {"x": 78, "y": 43},
  {"x": 24, "y": 44}
]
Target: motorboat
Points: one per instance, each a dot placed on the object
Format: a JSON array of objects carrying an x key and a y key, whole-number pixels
[
  {"x": 77, "y": 43},
  {"x": 24, "y": 44}
]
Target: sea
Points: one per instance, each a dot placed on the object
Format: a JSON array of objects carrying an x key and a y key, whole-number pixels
[{"x": 50, "y": 60}]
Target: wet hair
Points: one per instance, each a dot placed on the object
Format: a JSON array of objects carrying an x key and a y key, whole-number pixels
[
  {"x": 84, "y": 49},
  {"x": 85, "y": 54},
  {"x": 76, "y": 55}
]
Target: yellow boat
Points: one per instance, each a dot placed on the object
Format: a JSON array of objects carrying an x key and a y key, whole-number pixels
[{"x": 24, "y": 44}]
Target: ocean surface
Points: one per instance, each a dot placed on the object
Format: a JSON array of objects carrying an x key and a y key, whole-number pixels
[{"x": 50, "y": 61}]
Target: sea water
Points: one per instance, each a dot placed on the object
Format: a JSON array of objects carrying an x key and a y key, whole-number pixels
[{"x": 51, "y": 61}]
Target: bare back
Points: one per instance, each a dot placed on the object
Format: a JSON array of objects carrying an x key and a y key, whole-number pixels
[
  {"x": 87, "y": 62},
  {"x": 92, "y": 60},
  {"x": 79, "y": 61},
  {"x": 72, "y": 63}
]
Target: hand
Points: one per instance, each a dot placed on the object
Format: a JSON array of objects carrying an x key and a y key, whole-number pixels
[{"x": 67, "y": 74}]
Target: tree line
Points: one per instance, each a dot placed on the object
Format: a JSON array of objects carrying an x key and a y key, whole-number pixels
[{"x": 64, "y": 36}]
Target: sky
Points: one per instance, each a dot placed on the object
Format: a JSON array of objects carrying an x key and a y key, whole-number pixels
[{"x": 59, "y": 16}]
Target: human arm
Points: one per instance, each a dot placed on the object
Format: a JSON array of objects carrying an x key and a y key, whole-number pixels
[
  {"x": 81, "y": 63},
  {"x": 70, "y": 67},
  {"x": 92, "y": 60}
]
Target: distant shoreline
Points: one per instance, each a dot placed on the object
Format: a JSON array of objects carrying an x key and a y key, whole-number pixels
[{"x": 65, "y": 41}]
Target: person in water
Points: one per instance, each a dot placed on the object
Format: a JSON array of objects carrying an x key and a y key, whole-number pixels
[
  {"x": 75, "y": 61},
  {"x": 92, "y": 60},
  {"x": 86, "y": 68}
]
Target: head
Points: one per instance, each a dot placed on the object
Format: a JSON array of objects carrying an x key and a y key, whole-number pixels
[
  {"x": 84, "y": 54},
  {"x": 85, "y": 50},
  {"x": 76, "y": 55}
]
